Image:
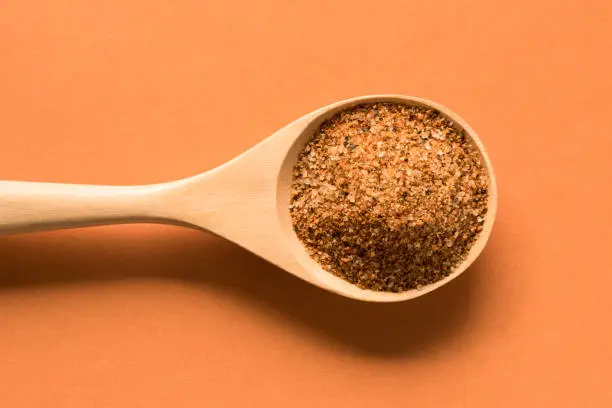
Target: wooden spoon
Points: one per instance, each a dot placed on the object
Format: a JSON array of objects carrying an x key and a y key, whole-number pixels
[{"x": 245, "y": 200}]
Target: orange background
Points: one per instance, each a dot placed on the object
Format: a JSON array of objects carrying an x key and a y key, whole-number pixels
[{"x": 131, "y": 92}]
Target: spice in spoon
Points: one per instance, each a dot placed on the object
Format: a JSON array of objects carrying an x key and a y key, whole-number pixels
[{"x": 389, "y": 197}]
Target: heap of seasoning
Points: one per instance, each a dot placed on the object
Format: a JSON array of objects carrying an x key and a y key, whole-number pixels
[{"x": 389, "y": 197}]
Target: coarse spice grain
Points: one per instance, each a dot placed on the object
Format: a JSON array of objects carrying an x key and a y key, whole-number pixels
[{"x": 389, "y": 197}]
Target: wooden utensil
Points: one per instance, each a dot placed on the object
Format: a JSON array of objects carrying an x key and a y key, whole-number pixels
[{"x": 245, "y": 200}]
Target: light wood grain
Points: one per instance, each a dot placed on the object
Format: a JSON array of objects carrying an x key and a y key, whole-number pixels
[{"x": 245, "y": 200}]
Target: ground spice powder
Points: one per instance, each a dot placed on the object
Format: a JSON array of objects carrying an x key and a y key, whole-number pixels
[{"x": 389, "y": 197}]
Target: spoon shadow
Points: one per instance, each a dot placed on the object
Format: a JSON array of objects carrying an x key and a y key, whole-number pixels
[{"x": 122, "y": 253}]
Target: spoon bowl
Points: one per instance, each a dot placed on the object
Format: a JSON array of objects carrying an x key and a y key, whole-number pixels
[{"x": 245, "y": 200}]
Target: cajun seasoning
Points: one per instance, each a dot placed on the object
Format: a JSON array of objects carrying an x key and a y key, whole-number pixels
[{"x": 389, "y": 197}]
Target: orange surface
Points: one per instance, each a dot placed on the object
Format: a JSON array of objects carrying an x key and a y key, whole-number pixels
[{"x": 125, "y": 92}]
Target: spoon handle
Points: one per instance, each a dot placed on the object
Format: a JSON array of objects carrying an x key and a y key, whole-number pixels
[{"x": 29, "y": 207}]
